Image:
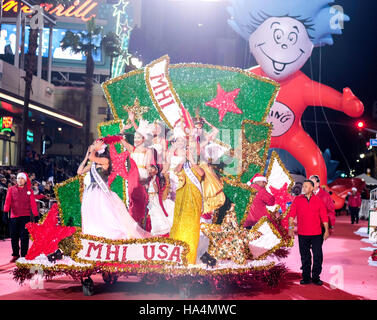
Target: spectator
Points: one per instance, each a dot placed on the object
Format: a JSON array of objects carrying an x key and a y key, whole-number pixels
[
  {"x": 311, "y": 214},
  {"x": 326, "y": 198},
  {"x": 262, "y": 199},
  {"x": 21, "y": 203},
  {"x": 354, "y": 204}
]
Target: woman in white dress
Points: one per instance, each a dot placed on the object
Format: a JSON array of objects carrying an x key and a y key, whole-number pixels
[
  {"x": 103, "y": 213},
  {"x": 159, "y": 143},
  {"x": 161, "y": 210},
  {"x": 176, "y": 156}
]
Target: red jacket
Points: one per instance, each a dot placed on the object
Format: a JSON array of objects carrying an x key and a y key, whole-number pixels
[
  {"x": 354, "y": 200},
  {"x": 310, "y": 215},
  {"x": 20, "y": 203},
  {"x": 329, "y": 204},
  {"x": 258, "y": 208}
]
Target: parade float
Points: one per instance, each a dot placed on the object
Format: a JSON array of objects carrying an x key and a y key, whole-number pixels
[
  {"x": 216, "y": 249},
  {"x": 252, "y": 111}
]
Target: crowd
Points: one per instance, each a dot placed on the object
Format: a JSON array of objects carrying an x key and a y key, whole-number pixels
[{"x": 44, "y": 172}]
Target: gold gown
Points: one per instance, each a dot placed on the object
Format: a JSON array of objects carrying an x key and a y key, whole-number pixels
[
  {"x": 213, "y": 195},
  {"x": 187, "y": 212}
]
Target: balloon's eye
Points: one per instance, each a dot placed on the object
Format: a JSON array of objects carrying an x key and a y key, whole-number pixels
[
  {"x": 278, "y": 35},
  {"x": 292, "y": 37}
]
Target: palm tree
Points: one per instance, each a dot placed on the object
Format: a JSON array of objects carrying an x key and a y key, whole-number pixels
[
  {"x": 84, "y": 42},
  {"x": 112, "y": 47}
]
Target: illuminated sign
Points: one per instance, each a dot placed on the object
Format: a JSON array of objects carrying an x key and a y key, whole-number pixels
[
  {"x": 29, "y": 136},
  {"x": 6, "y": 124},
  {"x": 8, "y": 43},
  {"x": 83, "y": 11}
]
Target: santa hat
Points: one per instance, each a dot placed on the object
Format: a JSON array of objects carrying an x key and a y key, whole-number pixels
[
  {"x": 257, "y": 177},
  {"x": 28, "y": 182},
  {"x": 354, "y": 189}
]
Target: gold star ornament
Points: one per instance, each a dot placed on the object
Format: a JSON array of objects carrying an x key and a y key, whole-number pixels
[
  {"x": 229, "y": 240},
  {"x": 136, "y": 109}
]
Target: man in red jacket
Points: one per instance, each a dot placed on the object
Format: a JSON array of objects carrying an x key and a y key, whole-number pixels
[
  {"x": 354, "y": 204},
  {"x": 262, "y": 199},
  {"x": 21, "y": 202},
  {"x": 326, "y": 198},
  {"x": 311, "y": 214}
]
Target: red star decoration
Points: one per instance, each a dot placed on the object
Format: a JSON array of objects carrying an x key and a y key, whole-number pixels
[
  {"x": 282, "y": 196},
  {"x": 46, "y": 236},
  {"x": 118, "y": 164},
  {"x": 224, "y": 102}
]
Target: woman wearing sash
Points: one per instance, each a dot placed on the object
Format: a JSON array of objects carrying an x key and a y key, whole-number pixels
[
  {"x": 142, "y": 156},
  {"x": 213, "y": 195},
  {"x": 175, "y": 157},
  {"x": 103, "y": 213},
  {"x": 188, "y": 206},
  {"x": 159, "y": 143}
]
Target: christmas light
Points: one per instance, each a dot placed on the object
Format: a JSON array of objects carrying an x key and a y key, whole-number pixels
[{"x": 123, "y": 30}]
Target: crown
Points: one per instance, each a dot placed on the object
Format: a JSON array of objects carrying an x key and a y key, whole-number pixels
[{"x": 198, "y": 119}]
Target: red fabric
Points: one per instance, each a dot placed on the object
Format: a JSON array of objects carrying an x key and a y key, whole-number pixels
[
  {"x": 187, "y": 118},
  {"x": 258, "y": 208},
  {"x": 329, "y": 204},
  {"x": 354, "y": 200},
  {"x": 138, "y": 196},
  {"x": 160, "y": 195},
  {"x": 310, "y": 215},
  {"x": 39, "y": 196},
  {"x": 19, "y": 202}
]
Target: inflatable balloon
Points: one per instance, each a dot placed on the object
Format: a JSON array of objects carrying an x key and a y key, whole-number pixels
[{"x": 281, "y": 36}]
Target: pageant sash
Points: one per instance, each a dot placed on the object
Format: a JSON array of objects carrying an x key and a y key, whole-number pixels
[
  {"x": 98, "y": 179},
  {"x": 191, "y": 176},
  {"x": 162, "y": 93}
]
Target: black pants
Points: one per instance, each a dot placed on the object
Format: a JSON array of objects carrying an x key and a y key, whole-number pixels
[
  {"x": 354, "y": 214},
  {"x": 19, "y": 232},
  {"x": 315, "y": 244}
]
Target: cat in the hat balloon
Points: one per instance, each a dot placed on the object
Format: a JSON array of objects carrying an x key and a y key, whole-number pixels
[{"x": 282, "y": 36}]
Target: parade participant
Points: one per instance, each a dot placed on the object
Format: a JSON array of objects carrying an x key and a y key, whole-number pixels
[
  {"x": 261, "y": 200},
  {"x": 103, "y": 213},
  {"x": 160, "y": 209},
  {"x": 200, "y": 136},
  {"x": 311, "y": 214},
  {"x": 213, "y": 195},
  {"x": 141, "y": 154},
  {"x": 159, "y": 143},
  {"x": 154, "y": 132},
  {"x": 326, "y": 198},
  {"x": 354, "y": 204},
  {"x": 188, "y": 206},
  {"x": 21, "y": 203},
  {"x": 175, "y": 157}
]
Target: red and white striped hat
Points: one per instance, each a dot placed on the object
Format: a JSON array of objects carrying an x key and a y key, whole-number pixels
[{"x": 257, "y": 177}]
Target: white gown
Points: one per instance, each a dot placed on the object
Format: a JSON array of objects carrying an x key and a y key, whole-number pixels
[
  {"x": 141, "y": 161},
  {"x": 103, "y": 214},
  {"x": 161, "y": 224},
  {"x": 174, "y": 162}
]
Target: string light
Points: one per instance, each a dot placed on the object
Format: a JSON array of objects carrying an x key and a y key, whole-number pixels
[{"x": 123, "y": 30}]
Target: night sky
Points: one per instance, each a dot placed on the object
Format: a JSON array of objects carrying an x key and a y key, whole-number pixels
[{"x": 193, "y": 31}]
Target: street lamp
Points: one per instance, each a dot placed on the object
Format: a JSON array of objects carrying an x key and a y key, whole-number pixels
[{"x": 362, "y": 156}]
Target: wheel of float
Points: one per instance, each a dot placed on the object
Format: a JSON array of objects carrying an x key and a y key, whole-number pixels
[
  {"x": 109, "y": 278},
  {"x": 88, "y": 287}
]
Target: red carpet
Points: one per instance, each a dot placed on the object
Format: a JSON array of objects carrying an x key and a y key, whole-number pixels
[{"x": 346, "y": 274}]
